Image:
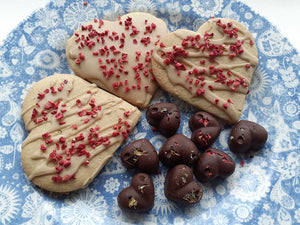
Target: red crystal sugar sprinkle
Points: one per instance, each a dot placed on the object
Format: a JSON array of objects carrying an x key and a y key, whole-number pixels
[{"x": 242, "y": 163}]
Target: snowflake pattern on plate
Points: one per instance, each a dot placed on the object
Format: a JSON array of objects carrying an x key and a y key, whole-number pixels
[
  {"x": 85, "y": 207},
  {"x": 38, "y": 210},
  {"x": 265, "y": 190},
  {"x": 9, "y": 203}
]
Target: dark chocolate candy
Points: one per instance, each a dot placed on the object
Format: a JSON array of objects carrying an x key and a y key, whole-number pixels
[
  {"x": 213, "y": 163},
  {"x": 181, "y": 187},
  {"x": 205, "y": 129},
  {"x": 140, "y": 154},
  {"x": 165, "y": 117},
  {"x": 178, "y": 149},
  {"x": 247, "y": 137},
  {"x": 139, "y": 196},
  {"x": 202, "y": 119}
]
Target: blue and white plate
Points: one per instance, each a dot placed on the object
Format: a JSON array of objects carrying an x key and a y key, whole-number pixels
[{"x": 265, "y": 190}]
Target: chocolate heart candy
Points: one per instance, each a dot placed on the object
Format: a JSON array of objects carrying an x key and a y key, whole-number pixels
[
  {"x": 246, "y": 137},
  {"x": 181, "y": 187},
  {"x": 210, "y": 69},
  {"x": 202, "y": 119},
  {"x": 140, "y": 154},
  {"x": 139, "y": 196},
  {"x": 213, "y": 163},
  {"x": 178, "y": 149},
  {"x": 165, "y": 117},
  {"x": 205, "y": 128}
]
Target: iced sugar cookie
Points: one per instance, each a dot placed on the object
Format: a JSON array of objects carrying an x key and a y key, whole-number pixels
[
  {"x": 74, "y": 129},
  {"x": 210, "y": 69},
  {"x": 116, "y": 55}
]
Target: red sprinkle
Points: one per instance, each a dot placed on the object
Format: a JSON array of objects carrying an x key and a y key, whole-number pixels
[
  {"x": 126, "y": 114},
  {"x": 43, "y": 148},
  {"x": 242, "y": 163},
  {"x": 40, "y": 96},
  {"x": 46, "y": 135}
]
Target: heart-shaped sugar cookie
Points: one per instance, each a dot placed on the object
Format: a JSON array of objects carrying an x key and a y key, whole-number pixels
[
  {"x": 75, "y": 128},
  {"x": 116, "y": 55},
  {"x": 210, "y": 69}
]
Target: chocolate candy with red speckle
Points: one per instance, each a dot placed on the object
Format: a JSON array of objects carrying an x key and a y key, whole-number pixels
[
  {"x": 165, "y": 117},
  {"x": 205, "y": 129},
  {"x": 247, "y": 137},
  {"x": 140, "y": 154},
  {"x": 139, "y": 196},
  {"x": 178, "y": 149},
  {"x": 213, "y": 163},
  {"x": 181, "y": 187}
]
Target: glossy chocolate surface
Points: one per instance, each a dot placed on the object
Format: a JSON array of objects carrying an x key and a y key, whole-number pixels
[
  {"x": 165, "y": 117},
  {"x": 140, "y": 154},
  {"x": 247, "y": 137},
  {"x": 178, "y": 149},
  {"x": 139, "y": 196},
  {"x": 213, "y": 163},
  {"x": 205, "y": 129},
  {"x": 181, "y": 187}
]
